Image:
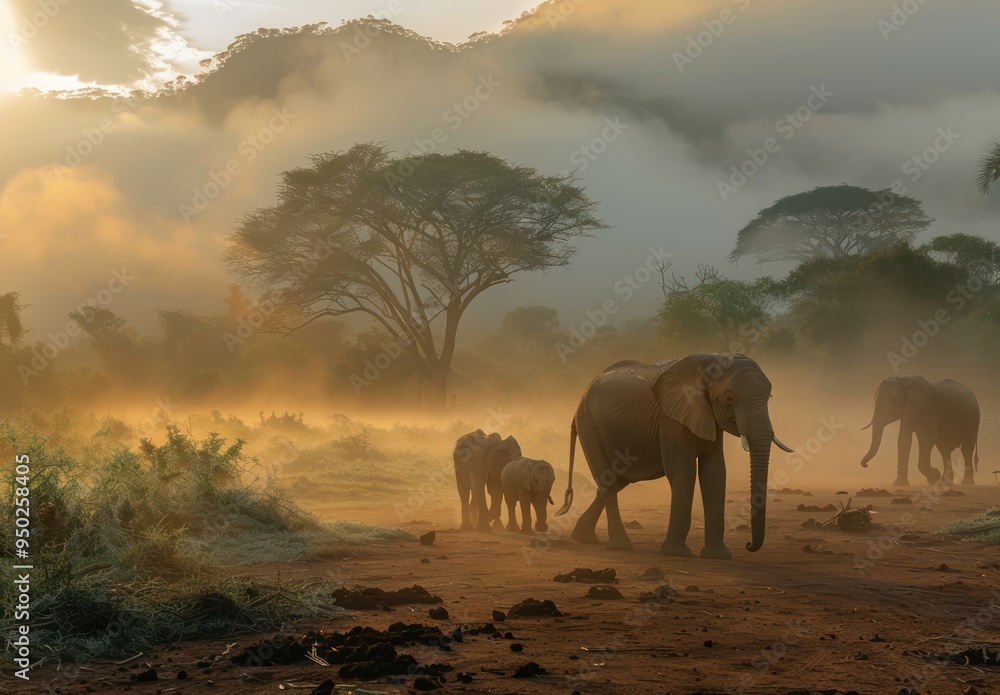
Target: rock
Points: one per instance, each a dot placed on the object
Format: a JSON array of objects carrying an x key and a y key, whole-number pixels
[
  {"x": 901, "y": 500},
  {"x": 530, "y": 608},
  {"x": 604, "y": 593},
  {"x": 370, "y": 598},
  {"x": 428, "y": 538},
  {"x": 709, "y": 643},
  {"x": 662, "y": 594},
  {"x": 816, "y": 551},
  {"x": 181, "y": 675},
  {"x": 653, "y": 574},
  {"x": 530, "y": 670},
  {"x": 584, "y": 575},
  {"x": 810, "y": 523},
  {"x": 633, "y": 524},
  {"x": 873, "y": 492},
  {"x": 424, "y": 684},
  {"x": 517, "y": 647},
  {"x": 439, "y": 613},
  {"x": 325, "y": 688},
  {"x": 463, "y": 677},
  {"x": 815, "y": 508},
  {"x": 425, "y": 561},
  {"x": 146, "y": 676},
  {"x": 499, "y": 616},
  {"x": 944, "y": 568}
]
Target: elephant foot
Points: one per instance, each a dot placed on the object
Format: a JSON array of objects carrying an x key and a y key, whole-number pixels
[
  {"x": 541, "y": 527},
  {"x": 587, "y": 536},
  {"x": 527, "y": 531},
  {"x": 513, "y": 528},
  {"x": 497, "y": 524},
  {"x": 968, "y": 480},
  {"x": 484, "y": 528},
  {"x": 467, "y": 526},
  {"x": 932, "y": 476},
  {"x": 675, "y": 549},
  {"x": 619, "y": 544},
  {"x": 716, "y": 552},
  {"x": 902, "y": 482}
]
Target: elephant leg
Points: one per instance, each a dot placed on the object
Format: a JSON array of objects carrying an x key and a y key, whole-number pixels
[
  {"x": 495, "y": 490},
  {"x": 904, "y": 442},
  {"x": 617, "y": 537},
  {"x": 682, "y": 473},
  {"x": 968, "y": 451},
  {"x": 526, "y": 515},
  {"x": 585, "y": 530},
  {"x": 463, "y": 496},
  {"x": 949, "y": 473},
  {"x": 511, "y": 513},
  {"x": 479, "y": 503},
  {"x": 542, "y": 514},
  {"x": 924, "y": 446},
  {"x": 712, "y": 480}
]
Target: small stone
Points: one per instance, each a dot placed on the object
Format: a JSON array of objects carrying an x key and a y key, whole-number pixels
[
  {"x": 516, "y": 647},
  {"x": 439, "y": 613},
  {"x": 428, "y": 538},
  {"x": 499, "y": 616}
]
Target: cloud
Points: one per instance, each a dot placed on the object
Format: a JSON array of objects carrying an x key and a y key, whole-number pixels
[{"x": 100, "y": 41}]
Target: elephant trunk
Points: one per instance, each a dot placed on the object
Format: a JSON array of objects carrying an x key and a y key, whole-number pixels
[
  {"x": 759, "y": 434},
  {"x": 878, "y": 427}
]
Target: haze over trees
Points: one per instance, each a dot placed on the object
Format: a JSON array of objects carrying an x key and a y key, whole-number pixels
[
  {"x": 409, "y": 241},
  {"x": 831, "y": 222}
]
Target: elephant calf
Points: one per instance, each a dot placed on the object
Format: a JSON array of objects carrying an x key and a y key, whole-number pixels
[
  {"x": 479, "y": 459},
  {"x": 528, "y": 481}
]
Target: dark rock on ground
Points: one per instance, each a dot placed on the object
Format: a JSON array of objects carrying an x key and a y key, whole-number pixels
[
  {"x": 584, "y": 575},
  {"x": 428, "y": 538},
  {"x": 530, "y": 608},
  {"x": 370, "y": 598},
  {"x": 530, "y": 670},
  {"x": 605, "y": 593}
]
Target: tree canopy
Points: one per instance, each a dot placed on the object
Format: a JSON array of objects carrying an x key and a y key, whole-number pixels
[
  {"x": 409, "y": 241},
  {"x": 831, "y": 222}
]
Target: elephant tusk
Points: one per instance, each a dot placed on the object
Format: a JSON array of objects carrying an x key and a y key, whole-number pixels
[
  {"x": 550, "y": 500},
  {"x": 745, "y": 442},
  {"x": 781, "y": 446},
  {"x": 867, "y": 426}
]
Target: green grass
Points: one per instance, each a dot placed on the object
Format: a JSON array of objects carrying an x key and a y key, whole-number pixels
[
  {"x": 984, "y": 528},
  {"x": 134, "y": 546}
]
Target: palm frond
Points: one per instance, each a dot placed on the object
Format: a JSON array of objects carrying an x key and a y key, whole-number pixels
[{"x": 989, "y": 167}]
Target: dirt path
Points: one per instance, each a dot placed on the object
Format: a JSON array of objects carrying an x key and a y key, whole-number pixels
[{"x": 780, "y": 620}]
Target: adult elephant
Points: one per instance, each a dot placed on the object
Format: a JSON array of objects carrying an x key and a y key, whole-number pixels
[
  {"x": 943, "y": 415},
  {"x": 642, "y": 421},
  {"x": 479, "y": 460}
]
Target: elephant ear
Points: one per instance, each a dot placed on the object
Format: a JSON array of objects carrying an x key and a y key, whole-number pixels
[
  {"x": 524, "y": 475},
  {"x": 682, "y": 395},
  {"x": 918, "y": 399},
  {"x": 514, "y": 447}
]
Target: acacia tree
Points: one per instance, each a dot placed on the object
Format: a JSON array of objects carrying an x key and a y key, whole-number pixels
[
  {"x": 831, "y": 222},
  {"x": 409, "y": 241},
  {"x": 989, "y": 167}
]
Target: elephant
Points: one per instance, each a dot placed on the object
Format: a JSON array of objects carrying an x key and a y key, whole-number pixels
[
  {"x": 943, "y": 415},
  {"x": 479, "y": 460},
  {"x": 528, "y": 481},
  {"x": 641, "y": 421}
]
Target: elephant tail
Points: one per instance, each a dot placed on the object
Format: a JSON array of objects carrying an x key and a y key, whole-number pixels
[
  {"x": 569, "y": 484},
  {"x": 975, "y": 457}
]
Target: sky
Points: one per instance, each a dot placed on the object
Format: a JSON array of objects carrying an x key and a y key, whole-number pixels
[{"x": 655, "y": 105}]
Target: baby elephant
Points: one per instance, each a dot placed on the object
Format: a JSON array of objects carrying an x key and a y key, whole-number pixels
[{"x": 528, "y": 481}]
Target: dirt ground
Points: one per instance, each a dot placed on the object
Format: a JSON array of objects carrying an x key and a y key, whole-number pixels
[{"x": 782, "y": 620}]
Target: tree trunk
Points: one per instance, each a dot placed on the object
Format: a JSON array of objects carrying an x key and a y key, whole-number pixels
[{"x": 436, "y": 389}]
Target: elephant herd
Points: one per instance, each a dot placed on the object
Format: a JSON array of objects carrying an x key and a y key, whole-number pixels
[{"x": 641, "y": 421}]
